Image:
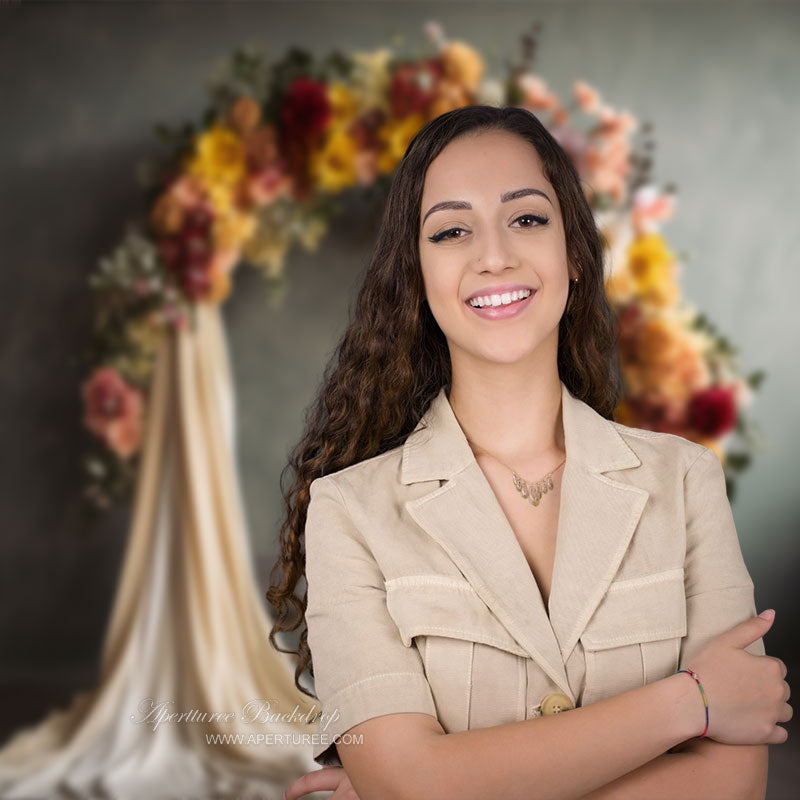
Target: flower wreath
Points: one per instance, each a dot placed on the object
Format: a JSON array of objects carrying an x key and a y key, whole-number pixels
[{"x": 281, "y": 140}]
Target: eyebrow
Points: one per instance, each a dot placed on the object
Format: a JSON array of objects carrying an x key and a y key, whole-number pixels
[{"x": 460, "y": 205}]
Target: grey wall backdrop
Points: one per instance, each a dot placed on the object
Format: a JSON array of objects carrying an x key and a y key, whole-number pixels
[{"x": 82, "y": 85}]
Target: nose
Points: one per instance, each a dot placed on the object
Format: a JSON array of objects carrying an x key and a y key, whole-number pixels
[{"x": 494, "y": 252}]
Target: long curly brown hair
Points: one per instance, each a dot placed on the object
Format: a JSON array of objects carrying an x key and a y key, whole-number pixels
[{"x": 393, "y": 358}]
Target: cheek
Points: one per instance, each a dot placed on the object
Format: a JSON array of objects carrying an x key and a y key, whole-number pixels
[{"x": 441, "y": 290}]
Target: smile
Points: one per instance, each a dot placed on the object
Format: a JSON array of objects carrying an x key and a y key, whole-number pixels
[{"x": 501, "y": 306}]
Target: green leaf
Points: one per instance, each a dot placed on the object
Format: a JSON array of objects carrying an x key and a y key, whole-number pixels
[
  {"x": 755, "y": 379},
  {"x": 737, "y": 461}
]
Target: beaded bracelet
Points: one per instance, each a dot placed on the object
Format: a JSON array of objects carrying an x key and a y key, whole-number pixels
[{"x": 692, "y": 674}]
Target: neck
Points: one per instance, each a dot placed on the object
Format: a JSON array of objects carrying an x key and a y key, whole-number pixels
[{"x": 516, "y": 420}]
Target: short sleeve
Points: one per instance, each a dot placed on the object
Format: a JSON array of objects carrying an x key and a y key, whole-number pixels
[
  {"x": 719, "y": 589},
  {"x": 361, "y": 667}
]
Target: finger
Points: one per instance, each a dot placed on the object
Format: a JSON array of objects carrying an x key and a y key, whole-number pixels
[
  {"x": 778, "y": 736},
  {"x": 745, "y": 633},
  {"x": 320, "y": 780}
]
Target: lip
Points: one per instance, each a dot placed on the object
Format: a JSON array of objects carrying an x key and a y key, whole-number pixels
[
  {"x": 498, "y": 289},
  {"x": 503, "y": 312}
]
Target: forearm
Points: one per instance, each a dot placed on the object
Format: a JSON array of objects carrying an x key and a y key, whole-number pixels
[
  {"x": 690, "y": 775},
  {"x": 563, "y": 756}
]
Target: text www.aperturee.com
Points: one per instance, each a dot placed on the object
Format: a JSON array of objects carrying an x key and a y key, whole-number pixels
[{"x": 282, "y": 739}]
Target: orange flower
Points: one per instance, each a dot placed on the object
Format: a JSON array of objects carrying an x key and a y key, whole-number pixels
[
  {"x": 261, "y": 147},
  {"x": 243, "y": 115},
  {"x": 113, "y": 411},
  {"x": 449, "y": 96},
  {"x": 220, "y": 267},
  {"x": 182, "y": 194},
  {"x": 462, "y": 65}
]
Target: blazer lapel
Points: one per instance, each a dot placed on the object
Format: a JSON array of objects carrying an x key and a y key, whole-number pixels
[{"x": 597, "y": 518}]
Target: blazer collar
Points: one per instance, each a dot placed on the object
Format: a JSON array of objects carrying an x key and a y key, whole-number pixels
[{"x": 597, "y": 517}]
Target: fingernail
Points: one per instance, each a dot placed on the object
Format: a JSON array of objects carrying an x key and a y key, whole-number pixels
[{"x": 768, "y": 614}]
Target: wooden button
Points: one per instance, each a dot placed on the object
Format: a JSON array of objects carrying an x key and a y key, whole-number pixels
[{"x": 556, "y": 703}]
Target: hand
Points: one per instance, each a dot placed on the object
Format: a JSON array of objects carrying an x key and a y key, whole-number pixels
[
  {"x": 746, "y": 694},
  {"x": 326, "y": 779}
]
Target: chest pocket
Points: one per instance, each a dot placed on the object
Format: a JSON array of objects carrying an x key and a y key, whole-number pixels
[
  {"x": 475, "y": 668},
  {"x": 634, "y": 636}
]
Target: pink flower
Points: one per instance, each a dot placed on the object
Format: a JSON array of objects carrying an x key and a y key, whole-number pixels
[
  {"x": 265, "y": 186},
  {"x": 113, "y": 411},
  {"x": 537, "y": 95},
  {"x": 575, "y": 144},
  {"x": 650, "y": 208},
  {"x": 587, "y": 98}
]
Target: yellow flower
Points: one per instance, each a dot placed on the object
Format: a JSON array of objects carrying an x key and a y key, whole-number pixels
[
  {"x": 620, "y": 286},
  {"x": 312, "y": 233},
  {"x": 145, "y": 333},
  {"x": 653, "y": 268},
  {"x": 370, "y": 78},
  {"x": 343, "y": 103},
  {"x": 219, "y": 157},
  {"x": 463, "y": 65},
  {"x": 396, "y": 136},
  {"x": 334, "y": 166},
  {"x": 230, "y": 230},
  {"x": 268, "y": 250},
  {"x": 221, "y": 198}
]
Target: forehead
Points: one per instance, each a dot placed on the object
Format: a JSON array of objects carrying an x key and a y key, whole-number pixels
[{"x": 486, "y": 163}]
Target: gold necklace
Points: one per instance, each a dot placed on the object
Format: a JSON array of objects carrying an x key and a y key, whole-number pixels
[{"x": 530, "y": 491}]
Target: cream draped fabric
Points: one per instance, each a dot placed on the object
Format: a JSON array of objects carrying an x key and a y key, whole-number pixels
[{"x": 188, "y": 626}]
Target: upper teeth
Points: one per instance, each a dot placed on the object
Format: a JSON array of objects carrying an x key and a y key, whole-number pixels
[{"x": 499, "y": 299}]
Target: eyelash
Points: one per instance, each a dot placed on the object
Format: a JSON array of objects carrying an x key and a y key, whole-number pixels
[{"x": 540, "y": 218}]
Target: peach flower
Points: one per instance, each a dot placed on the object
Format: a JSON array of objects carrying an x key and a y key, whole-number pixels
[
  {"x": 463, "y": 65},
  {"x": 587, "y": 97},
  {"x": 113, "y": 410},
  {"x": 536, "y": 93}
]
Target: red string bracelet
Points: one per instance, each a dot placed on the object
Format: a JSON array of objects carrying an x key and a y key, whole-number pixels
[{"x": 692, "y": 674}]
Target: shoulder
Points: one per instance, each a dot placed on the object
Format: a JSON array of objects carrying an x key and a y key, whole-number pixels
[
  {"x": 375, "y": 475},
  {"x": 663, "y": 451}
]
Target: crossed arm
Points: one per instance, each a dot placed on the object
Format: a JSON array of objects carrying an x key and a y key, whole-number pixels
[{"x": 701, "y": 768}]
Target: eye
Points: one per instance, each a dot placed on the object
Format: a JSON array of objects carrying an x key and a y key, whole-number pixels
[
  {"x": 538, "y": 219},
  {"x": 444, "y": 235}
]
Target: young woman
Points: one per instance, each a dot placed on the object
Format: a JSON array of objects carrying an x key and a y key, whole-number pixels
[{"x": 484, "y": 547}]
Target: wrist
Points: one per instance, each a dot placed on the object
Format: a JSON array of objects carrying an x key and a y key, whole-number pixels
[{"x": 683, "y": 697}]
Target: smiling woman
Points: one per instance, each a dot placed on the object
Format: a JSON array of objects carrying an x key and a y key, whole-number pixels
[{"x": 454, "y": 609}]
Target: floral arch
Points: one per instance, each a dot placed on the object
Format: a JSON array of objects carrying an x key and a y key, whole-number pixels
[{"x": 265, "y": 169}]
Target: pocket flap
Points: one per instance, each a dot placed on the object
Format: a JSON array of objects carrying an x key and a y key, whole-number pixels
[
  {"x": 438, "y": 605},
  {"x": 640, "y": 609}
]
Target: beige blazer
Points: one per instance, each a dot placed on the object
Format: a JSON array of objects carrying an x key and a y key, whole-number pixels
[{"x": 420, "y": 597}]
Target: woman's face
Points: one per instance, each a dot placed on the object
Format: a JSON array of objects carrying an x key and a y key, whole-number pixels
[{"x": 498, "y": 230}]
